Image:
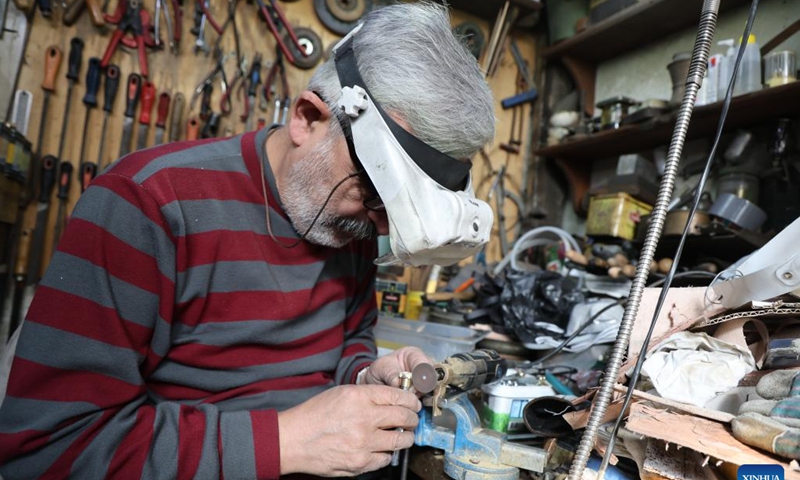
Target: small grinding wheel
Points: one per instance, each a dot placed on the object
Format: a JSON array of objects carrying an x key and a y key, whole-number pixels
[
  {"x": 472, "y": 36},
  {"x": 347, "y": 10},
  {"x": 424, "y": 378},
  {"x": 310, "y": 42}
]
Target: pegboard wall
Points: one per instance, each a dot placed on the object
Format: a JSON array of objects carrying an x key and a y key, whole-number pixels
[{"x": 183, "y": 70}]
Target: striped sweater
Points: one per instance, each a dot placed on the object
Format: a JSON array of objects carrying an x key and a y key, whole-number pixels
[{"x": 169, "y": 328}]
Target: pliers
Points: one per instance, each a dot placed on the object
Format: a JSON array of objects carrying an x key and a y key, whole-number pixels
[
  {"x": 241, "y": 72},
  {"x": 130, "y": 18},
  {"x": 273, "y": 12},
  {"x": 269, "y": 91},
  {"x": 207, "y": 83}
]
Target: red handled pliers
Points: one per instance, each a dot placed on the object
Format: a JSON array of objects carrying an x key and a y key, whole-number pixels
[{"x": 130, "y": 17}]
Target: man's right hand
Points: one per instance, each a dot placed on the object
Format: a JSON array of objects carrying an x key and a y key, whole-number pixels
[{"x": 347, "y": 430}]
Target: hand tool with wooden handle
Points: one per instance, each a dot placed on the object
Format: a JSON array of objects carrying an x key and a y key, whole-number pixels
[
  {"x": 64, "y": 183},
  {"x": 161, "y": 116},
  {"x": 131, "y": 99},
  {"x": 176, "y": 117},
  {"x": 76, "y": 7},
  {"x": 52, "y": 61},
  {"x": 20, "y": 279},
  {"x": 89, "y": 169},
  {"x": 110, "y": 88},
  {"x": 148, "y": 98}
]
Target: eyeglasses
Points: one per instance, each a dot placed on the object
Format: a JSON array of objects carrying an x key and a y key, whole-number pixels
[{"x": 373, "y": 202}]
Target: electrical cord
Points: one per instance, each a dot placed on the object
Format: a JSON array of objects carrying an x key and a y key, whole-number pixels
[{"x": 671, "y": 275}]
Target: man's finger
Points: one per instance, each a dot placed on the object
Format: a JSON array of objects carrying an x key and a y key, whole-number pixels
[
  {"x": 386, "y": 395},
  {"x": 396, "y": 417},
  {"x": 391, "y": 440}
]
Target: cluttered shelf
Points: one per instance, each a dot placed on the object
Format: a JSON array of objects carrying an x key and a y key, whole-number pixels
[
  {"x": 746, "y": 110},
  {"x": 641, "y": 23}
]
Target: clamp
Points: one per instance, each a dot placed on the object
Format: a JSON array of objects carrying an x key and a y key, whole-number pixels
[{"x": 130, "y": 17}]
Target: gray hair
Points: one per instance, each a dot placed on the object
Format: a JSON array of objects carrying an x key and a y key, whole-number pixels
[{"x": 418, "y": 70}]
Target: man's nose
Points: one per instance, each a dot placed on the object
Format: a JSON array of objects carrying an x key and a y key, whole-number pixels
[{"x": 381, "y": 221}]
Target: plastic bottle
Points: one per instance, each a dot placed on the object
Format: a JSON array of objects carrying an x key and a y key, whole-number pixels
[
  {"x": 749, "y": 78},
  {"x": 726, "y": 67}
]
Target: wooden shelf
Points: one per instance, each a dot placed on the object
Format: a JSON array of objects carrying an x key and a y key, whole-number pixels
[
  {"x": 746, "y": 110},
  {"x": 489, "y": 9},
  {"x": 639, "y": 24}
]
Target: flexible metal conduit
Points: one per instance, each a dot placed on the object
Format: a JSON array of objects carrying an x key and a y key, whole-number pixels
[{"x": 697, "y": 69}]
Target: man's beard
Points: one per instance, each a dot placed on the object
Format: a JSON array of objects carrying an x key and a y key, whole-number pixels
[{"x": 308, "y": 183}]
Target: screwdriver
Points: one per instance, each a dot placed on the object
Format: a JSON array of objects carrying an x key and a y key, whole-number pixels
[
  {"x": 161, "y": 119},
  {"x": 109, "y": 94},
  {"x": 64, "y": 182},
  {"x": 52, "y": 60},
  {"x": 89, "y": 169},
  {"x": 73, "y": 70},
  {"x": 148, "y": 97},
  {"x": 132, "y": 98}
]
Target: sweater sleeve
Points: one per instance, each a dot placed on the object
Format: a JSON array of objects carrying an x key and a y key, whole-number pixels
[
  {"x": 77, "y": 403},
  {"x": 362, "y": 313}
]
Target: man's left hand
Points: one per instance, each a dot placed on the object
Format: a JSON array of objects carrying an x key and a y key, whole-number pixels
[{"x": 386, "y": 370}]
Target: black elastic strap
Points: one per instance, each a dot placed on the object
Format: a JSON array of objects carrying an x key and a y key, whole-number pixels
[{"x": 442, "y": 168}]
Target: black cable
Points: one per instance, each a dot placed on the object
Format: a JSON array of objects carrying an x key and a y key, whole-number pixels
[{"x": 668, "y": 280}]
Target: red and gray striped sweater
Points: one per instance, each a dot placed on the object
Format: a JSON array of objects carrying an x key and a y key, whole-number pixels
[{"x": 169, "y": 328}]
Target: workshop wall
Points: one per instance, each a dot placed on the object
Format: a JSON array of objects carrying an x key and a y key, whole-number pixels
[
  {"x": 642, "y": 73},
  {"x": 182, "y": 73}
]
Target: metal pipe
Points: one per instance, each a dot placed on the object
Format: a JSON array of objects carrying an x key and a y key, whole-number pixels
[{"x": 694, "y": 79}]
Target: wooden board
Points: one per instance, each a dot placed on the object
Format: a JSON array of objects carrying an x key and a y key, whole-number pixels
[
  {"x": 701, "y": 435},
  {"x": 183, "y": 72}
]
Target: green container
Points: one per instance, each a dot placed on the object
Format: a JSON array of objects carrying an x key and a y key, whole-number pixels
[{"x": 561, "y": 17}]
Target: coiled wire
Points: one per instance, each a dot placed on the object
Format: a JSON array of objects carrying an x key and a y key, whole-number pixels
[{"x": 697, "y": 68}]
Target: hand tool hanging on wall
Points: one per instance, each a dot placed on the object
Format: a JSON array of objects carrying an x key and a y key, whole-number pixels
[
  {"x": 277, "y": 72},
  {"x": 64, "y": 183},
  {"x": 176, "y": 117},
  {"x": 110, "y": 87},
  {"x": 20, "y": 279},
  {"x": 211, "y": 128},
  {"x": 21, "y": 111},
  {"x": 162, "y": 110},
  {"x": 192, "y": 129},
  {"x": 251, "y": 88},
  {"x": 88, "y": 169},
  {"x": 200, "y": 43},
  {"x": 230, "y": 21},
  {"x": 47, "y": 182},
  {"x": 526, "y": 93},
  {"x": 13, "y": 40},
  {"x": 276, "y": 21},
  {"x": 131, "y": 99},
  {"x": 148, "y": 96},
  {"x": 225, "y": 104},
  {"x": 129, "y": 18},
  {"x": 52, "y": 61},
  {"x": 164, "y": 9},
  {"x": 206, "y": 85},
  {"x": 76, "y": 7}
]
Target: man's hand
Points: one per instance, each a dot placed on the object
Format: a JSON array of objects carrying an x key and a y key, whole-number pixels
[
  {"x": 347, "y": 430},
  {"x": 386, "y": 370}
]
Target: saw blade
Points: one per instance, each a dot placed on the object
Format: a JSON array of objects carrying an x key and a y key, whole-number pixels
[
  {"x": 12, "y": 47},
  {"x": 21, "y": 111}
]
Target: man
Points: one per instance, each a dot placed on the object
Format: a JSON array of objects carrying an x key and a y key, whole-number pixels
[{"x": 184, "y": 330}]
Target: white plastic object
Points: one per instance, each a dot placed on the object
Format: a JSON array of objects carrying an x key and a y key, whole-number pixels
[
  {"x": 503, "y": 404},
  {"x": 749, "y": 77},
  {"x": 726, "y": 66}
]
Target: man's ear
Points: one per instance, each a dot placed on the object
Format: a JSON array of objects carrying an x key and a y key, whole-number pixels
[{"x": 309, "y": 115}]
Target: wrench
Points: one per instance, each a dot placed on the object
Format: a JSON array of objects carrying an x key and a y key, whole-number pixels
[{"x": 200, "y": 43}]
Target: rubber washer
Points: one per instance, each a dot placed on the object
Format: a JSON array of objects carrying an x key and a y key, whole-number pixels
[
  {"x": 347, "y": 10},
  {"x": 472, "y": 37},
  {"x": 332, "y": 23},
  {"x": 312, "y": 44}
]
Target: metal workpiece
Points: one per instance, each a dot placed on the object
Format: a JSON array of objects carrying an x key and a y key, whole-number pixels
[
  {"x": 458, "y": 373},
  {"x": 474, "y": 453},
  {"x": 405, "y": 385}
]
